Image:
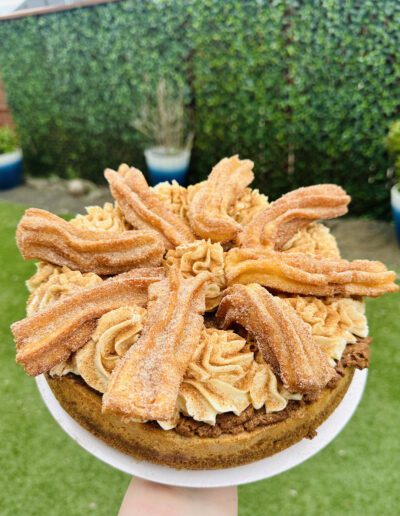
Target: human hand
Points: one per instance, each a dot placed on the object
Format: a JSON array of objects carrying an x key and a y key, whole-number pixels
[{"x": 144, "y": 498}]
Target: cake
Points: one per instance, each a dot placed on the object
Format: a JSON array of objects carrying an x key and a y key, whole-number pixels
[{"x": 199, "y": 327}]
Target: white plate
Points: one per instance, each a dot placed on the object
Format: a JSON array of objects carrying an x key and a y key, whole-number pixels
[{"x": 258, "y": 470}]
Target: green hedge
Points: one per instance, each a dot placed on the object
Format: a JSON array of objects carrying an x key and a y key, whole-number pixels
[{"x": 305, "y": 88}]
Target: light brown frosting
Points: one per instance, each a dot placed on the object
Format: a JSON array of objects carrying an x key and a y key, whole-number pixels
[
  {"x": 115, "y": 333},
  {"x": 199, "y": 256},
  {"x": 315, "y": 239},
  {"x": 225, "y": 376},
  {"x": 174, "y": 196},
  {"x": 334, "y": 322},
  {"x": 63, "y": 368},
  {"x": 106, "y": 218},
  {"x": 55, "y": 283},
  {"x": 44, "y": 271},
  {"x": 248, "y": 205}
]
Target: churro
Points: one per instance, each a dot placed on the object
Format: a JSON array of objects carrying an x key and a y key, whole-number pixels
[
  {"x": 145, "y": 384},
  {"x": 299, "y": 273},
  {"x": 143, "y": 209},
  {"x": 44, "y": 236},
  {"x": 208, "y": 209},
  {"x": 283, "y": 338},
  {"x": 51, "y": 335},
  {"x": 277, "y": 223}
]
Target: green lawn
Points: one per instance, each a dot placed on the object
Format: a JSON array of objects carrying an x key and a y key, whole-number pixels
[{"x": 44, "y": 473}]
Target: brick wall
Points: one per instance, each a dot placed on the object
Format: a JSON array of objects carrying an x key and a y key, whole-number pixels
[{"x": 5, "y": 115}]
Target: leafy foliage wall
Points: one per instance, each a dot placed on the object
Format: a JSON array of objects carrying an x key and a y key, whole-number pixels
[{"x": 305, "y": 88}]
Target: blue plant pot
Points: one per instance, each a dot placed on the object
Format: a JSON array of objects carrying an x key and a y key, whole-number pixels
[
  {"x": 164, "y": 166},
  {"x": 395, "y": 201},
  {"x": 10, "y": 169}
]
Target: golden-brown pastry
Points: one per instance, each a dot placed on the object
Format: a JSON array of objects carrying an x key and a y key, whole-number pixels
[
  {"x": 143, "y": 209},
  {"x": 283, "y": 338},
  {"x": 314, "y": 239},
  {"x": 208, "y": 209},
  {"x": 197, "y": 257},
  {"x": 299, "y": 273},
  {"x": 274, "y": 226},
  {"x": 45, "y": 236},
  {"x": 178, "y": 198},
  {"x": 145, "y": 383},
  {"x": 106, "y": 218},
  {"x": 50, "y": 336}
]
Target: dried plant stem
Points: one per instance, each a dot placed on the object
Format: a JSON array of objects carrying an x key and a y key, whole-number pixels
[{"x": 165, "y": 122}]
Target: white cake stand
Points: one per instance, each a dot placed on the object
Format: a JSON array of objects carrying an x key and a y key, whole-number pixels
[{"x": 258, "y": 470}]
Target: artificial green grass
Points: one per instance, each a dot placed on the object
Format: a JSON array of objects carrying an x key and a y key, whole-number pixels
[{"x": 44, "y": 473}]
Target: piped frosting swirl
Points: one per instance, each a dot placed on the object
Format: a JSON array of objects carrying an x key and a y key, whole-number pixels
[
  {"x": 60, "y": 283},
  {"x": 106, "y": 218},
  {"x": 314, "y": 239},
  {"x": 197, "y": 257},
  {"x": 225, "y": 376},
  {"x": 115, "y": 333},
  {"x": 334, "y": 322}
]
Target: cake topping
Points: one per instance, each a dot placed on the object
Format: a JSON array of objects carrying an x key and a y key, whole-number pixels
[
  {"x": 300, "y": 273},
  {"x": 50, "y": 336},
  {"x": 115, "y": 333},
  {"x": 143, "y": 209},
  {"x": 208, "y": 210},
  {"x": 223, "y": 376},
  {"x": 335, "y": 322},
  {"x": 145, "y": 384},
  {"x": 274, "y": 226},
  {"x": 59, "y": 286},
  {"x": 315, "y": 239},
  {"x": 247, "y": 205},
  {"x": 197, "y": 257},
  {"x": 107, "y": 218},
  {"x": 44, "y": 271},
  {"x": 174, "y": 196},
  {"x": 45, "y": 236},
  {"x": 283, "y": 338}
]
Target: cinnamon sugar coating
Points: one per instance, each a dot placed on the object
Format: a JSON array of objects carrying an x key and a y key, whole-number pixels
[
  {"x": 299, "y": 273},
  {"x": 145, "y": 384},
  {"x": 208, "y": 209},
  {"x": 50, "y": 336},
  {"x": 274, "y": 226},
  {"x": 283, "y": 338},
  {"x": 143, "y": 209},
  {"x": 44, "y": 236}
]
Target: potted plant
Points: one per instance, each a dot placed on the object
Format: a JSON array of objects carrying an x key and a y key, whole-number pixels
[
  {"x": 164, "y": 123},
  {"x": 393, "y": 146},
  {"x": 10, "y": 159}
]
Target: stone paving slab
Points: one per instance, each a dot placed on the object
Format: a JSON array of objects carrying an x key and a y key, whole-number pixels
[{"x": 357, "y": 238}]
